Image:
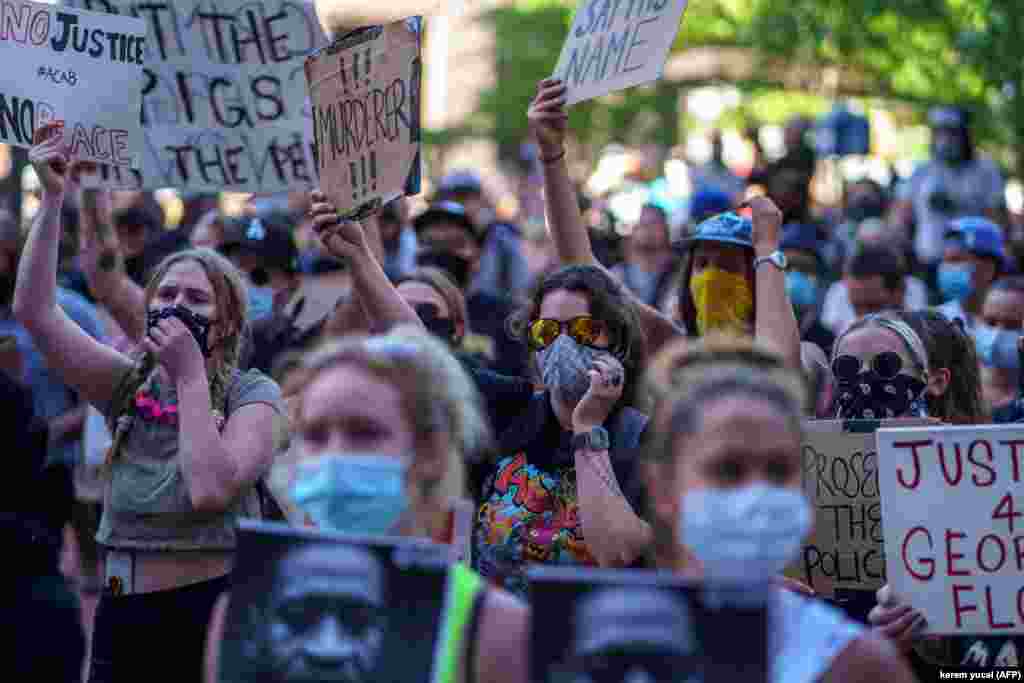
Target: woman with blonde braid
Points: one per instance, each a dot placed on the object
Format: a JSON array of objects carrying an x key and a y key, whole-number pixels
[
  {"x": 192, "y": 437},
  {"x": 723, "y": 481}
]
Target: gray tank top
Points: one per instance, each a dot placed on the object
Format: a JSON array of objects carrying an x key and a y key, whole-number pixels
[{"x": 146, "y": 502}]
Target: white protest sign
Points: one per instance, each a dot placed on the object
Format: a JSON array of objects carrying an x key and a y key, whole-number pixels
[
  {"x": 953, "y": 506},
  {"x": 83, "y": 68},
  {"x": 224, "y": 104},
  {"x": 617, "y": 44},
  {"x": 365, "y": 89}
]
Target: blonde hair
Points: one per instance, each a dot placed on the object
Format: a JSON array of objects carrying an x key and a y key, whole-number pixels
[
  {"x": 688, "y": 373},
  {"x": 229, "y": 294},
  {"x": 436, "y": 392}
]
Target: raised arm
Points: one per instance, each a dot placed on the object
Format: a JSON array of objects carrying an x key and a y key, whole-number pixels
[
  {"x": 384, "y": 306},
  {"x": 549, "y": 124},
  {"x": 89, "y": 367},
  {"x": 774, "y": 320},
  {"x": 103, "y": 266}
]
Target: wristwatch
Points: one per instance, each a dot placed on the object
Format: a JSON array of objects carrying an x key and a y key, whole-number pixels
[
  {"x": 776, "y": 258},
  {"x": 595, "y": 440}
]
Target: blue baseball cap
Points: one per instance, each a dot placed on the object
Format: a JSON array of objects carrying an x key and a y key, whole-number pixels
[
  {"x": 801, "y": 237},
  {"x": 707, "y": 202},
  {"x": 977, "y": 235},
  {"x": 725, "y": 228}
]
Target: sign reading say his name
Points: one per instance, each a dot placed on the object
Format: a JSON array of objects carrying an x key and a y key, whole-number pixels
[
  {"x": 617, "y": 44},
  {"x": 953, "y": 503},
  {"x": 366, "y": 115},
  {"x": 83, "y": 68},
  {"x": 840, "y": 479},
  {"x": 224, "y": 103}
]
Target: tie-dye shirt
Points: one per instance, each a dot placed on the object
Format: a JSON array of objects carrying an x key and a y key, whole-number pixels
[{"x": 529, "y": 511}]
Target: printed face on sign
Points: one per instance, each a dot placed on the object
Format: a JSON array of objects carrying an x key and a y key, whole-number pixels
[{"x": 326, "y": 621}]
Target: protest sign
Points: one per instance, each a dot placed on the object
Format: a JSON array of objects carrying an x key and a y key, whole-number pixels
[
  {"x": 617, "y": 44},
  {"x": 605, "y": 625},
  {"x": 82, "y": 68},
  {"x": 954, "y": 525},
  {"x": 374, "y": 608},
  {"x": 365, "y": 89},
  {"x": 840, "y": 479},
  {"x": 224, "y": 105}
]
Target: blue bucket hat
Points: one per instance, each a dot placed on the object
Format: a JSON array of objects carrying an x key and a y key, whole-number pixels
[
  {"x": 977, "y": 235},
  {"x": 725, "y": 228}
]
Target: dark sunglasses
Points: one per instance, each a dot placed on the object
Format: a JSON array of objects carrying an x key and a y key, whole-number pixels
[
  {"x": 886, "y": 365},
  {"x": 581, "y": 329}
]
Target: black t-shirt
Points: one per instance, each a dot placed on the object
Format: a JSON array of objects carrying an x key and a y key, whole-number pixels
[
  {"x": 527, "y": 506},
  {"x": 488, "y": 316}
]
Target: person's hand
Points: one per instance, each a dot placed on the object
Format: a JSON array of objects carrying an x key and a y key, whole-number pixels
[
  {"x": 49, "y": 157},
  {"x": 794, "y": 586},
  {"x": 767, "y": 221},
  {"x": 899, "y": 622},
  {"x": 341, "y": 239},
  {"x": 607, "y": 380},
  {"x": 174, "y": 347},
  {"x": 547, "y": 118}
]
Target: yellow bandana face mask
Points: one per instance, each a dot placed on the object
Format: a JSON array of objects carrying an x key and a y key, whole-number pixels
[{"x": 724, "y": 301}]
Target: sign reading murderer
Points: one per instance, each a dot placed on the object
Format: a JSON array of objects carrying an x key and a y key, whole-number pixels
[
  {"x": 953, "y": 504},
  {"x": 617, "y": 44},
  {"x": 224, "y": 103},
  {"x": 840, "y": 479},
  {"x": 365, "y": 89},
  {"x": 82, "y": 68}
]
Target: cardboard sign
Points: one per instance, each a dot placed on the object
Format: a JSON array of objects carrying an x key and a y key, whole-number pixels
[
  {"x": 840, "y": 478},
  {"x": 84, "y": 68},
  {"x": 365, "y": 89},
  {"x": 617, "y": 44},
  {"x": 373, "y": 608},
  {"x": 953, "y": 503},
  {"x": 224, "y": 104},
  {"x": 605, "y": 625}
]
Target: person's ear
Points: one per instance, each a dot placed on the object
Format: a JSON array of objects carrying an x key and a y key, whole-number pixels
[{"x": 938, "y": 382}]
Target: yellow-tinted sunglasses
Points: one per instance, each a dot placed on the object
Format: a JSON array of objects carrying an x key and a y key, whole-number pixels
[{"x": 582, "y": 329}]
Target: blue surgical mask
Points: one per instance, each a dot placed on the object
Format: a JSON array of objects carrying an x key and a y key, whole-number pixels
[
  {"x": 352, "y": 493},
  {"x": 261, "y": 302},
  {"x": 956, "y": 281},
  {"x": 744, "y": 534},
  {"x": 802, "y": 289}
]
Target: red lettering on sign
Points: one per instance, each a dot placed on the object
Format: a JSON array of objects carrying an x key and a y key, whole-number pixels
[
  {"x": 981, "y": 553},
  {"x": 992, "y": 624},
  {"x": 928, "y": 562},
  {"x": 959, "y": 609},
  {"x": 1014, "y": 456},
  {"x": 981, "y": 465},
  {"x": 950, "y": 555}
]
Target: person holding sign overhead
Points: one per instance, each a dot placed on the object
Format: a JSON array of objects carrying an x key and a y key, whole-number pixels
[
  {"x": 723, "y": 477},
  {"x": 192, "y": 436},
  {"x": 384, "y": 424},
  {"x": 736, "y": 275}
]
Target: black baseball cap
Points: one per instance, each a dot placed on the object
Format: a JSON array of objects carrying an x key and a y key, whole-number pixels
[
  {"x": 267, "y": 236},
  {"x": 450, "y": 212}
]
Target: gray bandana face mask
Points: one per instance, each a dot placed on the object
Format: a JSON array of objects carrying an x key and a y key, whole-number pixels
[{"x": 564, "y": 368}]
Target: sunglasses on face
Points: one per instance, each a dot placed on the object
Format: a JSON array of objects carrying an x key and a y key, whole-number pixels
[
  {"x": 886, "y": 365},
  {"x": 582, "y": 329}
]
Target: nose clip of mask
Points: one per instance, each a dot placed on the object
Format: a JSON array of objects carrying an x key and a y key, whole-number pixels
[{"x": 198, "y": 325}]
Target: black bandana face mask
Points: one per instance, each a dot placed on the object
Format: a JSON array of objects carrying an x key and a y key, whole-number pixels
[
  {"x": 869, "y": 396},
  {"x": 198, "y": 325}
]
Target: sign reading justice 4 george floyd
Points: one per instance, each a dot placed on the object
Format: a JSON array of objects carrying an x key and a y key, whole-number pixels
[
  {"x": 83, "y": 68},
  {"x": 224, "y": 103},
  {"x": 953, "y": 503},
  {"x": 617, "y": 44},
  {"x": 366, "y": 115}
]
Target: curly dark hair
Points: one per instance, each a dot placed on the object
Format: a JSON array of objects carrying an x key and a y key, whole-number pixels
[{"x": 609, "y": 303}]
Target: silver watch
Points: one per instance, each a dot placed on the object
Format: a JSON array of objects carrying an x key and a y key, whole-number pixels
[{"x": 776, "y": 258}]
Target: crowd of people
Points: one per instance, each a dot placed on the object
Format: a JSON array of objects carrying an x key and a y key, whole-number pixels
[{"x": 636, "y": 405}]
